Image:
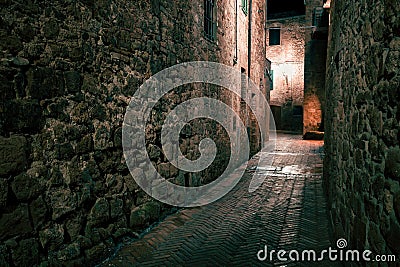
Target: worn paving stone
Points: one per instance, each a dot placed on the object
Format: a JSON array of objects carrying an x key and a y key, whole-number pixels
[{"x": 288, "y": 212}]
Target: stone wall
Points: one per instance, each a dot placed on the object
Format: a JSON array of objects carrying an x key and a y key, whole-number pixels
[
  {"x": 314, "y": 85},
  {"x": 298, "y": 65},
  {"x": 362, "y": 163},
  {"x": 67, "y": 71},
  {"x": 315, "y": 69},
  {"x": 288, "y": 70}
]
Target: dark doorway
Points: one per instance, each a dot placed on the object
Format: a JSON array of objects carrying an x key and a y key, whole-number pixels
[{"x": 277, "y": 113}]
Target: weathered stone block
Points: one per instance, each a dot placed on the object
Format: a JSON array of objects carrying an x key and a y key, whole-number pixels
[
  {"x": 23, "y": 116},
  {"x": 26, "y": 187},
  {"x": 74, "y": 225},
  {"x": 15, "y": 223},
  {"x": 44, "y": 83},
  {"x": 11, "y": 43},
  {"x": 154, "y": 152},
  {"x": 72, "y": 81},
  {"x": 114, "y": 184},
  {"x": 6, "y": 88},
  {"x": 164, "y": 170},
  {"x": 27, "y": 253},
  {"x": 4, "y": 256},
  {"x": 38, "y": 211},
  {"x": 84, "y": 242},
  {"x": 52, "y": 237},
  {"x": 392, "y": 166},
  {"x": 71, "y": 251},
  {"x": 26, "y": 31},
  {"x": 116, "y": 207},
  {"x": 62, "y": 201},
  {"x": 137, "y": 218},
  {"x": 388, "y": 201},
  {"x": 143, "y": 215},
  {"x": 376, "y": 121},
  {"x": 3, "y": 192},
  {"x": 393, "y": 237},
  {"x": 396, "y": 204},
  {"x": 130, "y": 181},
  {"x": 118, "y": 137},
  {"x": 121, "y": 232},
  {"x": 20, "y": 61},
  {"x": 375, "y": 238},
  {"x": 97, "y": 252},
  {"x": 99, "y": 212},
  {"x": 102, "y": 137},
  {"x": 64, "y": 151},
  {"x": 359, "y": 232},
  {"x": 12, "y": 155},
  {"x": 85, "y": 145},
  {"x": 51, "y": 29}
]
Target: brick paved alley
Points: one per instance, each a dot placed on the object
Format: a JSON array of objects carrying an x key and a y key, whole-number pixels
[{"x": 287, "y": 212}]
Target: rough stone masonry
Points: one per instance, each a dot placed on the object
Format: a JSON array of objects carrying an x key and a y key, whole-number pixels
[
  {"x": 67, "y": 72},
  {"x": 362, "y": 164}
]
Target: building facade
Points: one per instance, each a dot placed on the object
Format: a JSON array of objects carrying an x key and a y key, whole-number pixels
[
  {"x": 285, "y": 50},
  {"x": 362, "y": 154},
  {"x": 317, "y": 15},
  {"x": 297, "y": 64},
  {"x": 67, "y": 73}
]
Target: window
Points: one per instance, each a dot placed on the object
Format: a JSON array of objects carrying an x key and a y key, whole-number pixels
[
  {"x": 244, "y": 6},
  {"x": 317, "y": 15},
  {"x": 210, "y": 23},
  {"x": 274, "y": 36}
]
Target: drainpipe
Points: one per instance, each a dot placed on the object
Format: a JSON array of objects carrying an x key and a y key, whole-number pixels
[
  {"x": 249, "y": 38},
  {"x": 249, "y": 67},
  {"x": 235, "y": 58}
]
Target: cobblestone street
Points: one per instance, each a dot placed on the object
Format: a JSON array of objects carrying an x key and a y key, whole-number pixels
[{"x": 287, "y": 212}]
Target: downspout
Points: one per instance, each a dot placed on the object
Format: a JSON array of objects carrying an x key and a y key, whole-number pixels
[
  {"x": 235, "y": 58},
  {"x": 267, "y": 88},
  {"x": 265, "y": 46},
  {"x": 249, "y": 38},
  {"x": 249, "y": 70}
]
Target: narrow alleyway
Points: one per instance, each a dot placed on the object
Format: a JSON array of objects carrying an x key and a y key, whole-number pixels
[{"x": 287, "y": 212}]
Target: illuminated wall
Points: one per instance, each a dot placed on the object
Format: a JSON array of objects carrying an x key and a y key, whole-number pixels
[
  {"x": 315, "y": 66},
  {"x": 287, "y": 67}
]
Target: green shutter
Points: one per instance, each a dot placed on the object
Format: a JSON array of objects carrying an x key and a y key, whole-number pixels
[
  {"x": 244, "y": 6},
  {"x": 271, "y": 79}
]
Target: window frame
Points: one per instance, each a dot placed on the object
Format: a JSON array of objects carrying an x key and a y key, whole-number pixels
[
  {"x": 317, "y": 16},
  {"x": 210, "y": 20},
  {"x": 270, "y": 43}
]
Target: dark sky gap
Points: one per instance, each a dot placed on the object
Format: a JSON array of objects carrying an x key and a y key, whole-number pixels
[{"x": 285, "y": 8}]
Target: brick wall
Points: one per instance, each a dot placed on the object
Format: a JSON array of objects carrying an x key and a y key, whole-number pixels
[
  {"x": 67, "y": 72},
  {"x": 362, "y": 163}
]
